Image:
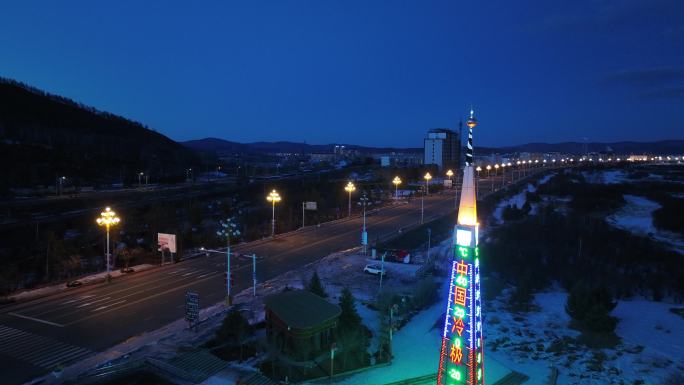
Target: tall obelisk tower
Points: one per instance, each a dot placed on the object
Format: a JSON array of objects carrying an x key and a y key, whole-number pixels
[{"x": 462, "y": 351}]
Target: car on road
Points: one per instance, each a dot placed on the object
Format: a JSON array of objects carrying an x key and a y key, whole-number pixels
[
  {"x": 74, "y": 284},
  {"x": 374, "y": 269}
]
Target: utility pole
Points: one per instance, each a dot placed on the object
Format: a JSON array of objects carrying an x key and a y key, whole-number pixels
[
  {"x": 382, "y": 269},
  {"x": 364, "y": 235},
  {"x": 429, "y": 233},
  {"x": 254, "y": 279},
  {"x": 422, "y": 206}
]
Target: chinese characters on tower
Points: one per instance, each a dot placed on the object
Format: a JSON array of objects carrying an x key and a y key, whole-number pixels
[{"x": 461, "y": 359}]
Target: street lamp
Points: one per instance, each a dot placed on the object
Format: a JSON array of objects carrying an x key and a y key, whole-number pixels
[
  {"x": 397, "y": 182},
  {"x": 503, "y": 174},
  {"x": 274, "y": 198},
  {"x": 364, "y": 201},
  {"x": 228, "y": 229},
  {"x": 478, "y": 169},
  {"x": 449, "y": 174},
  {"x": 489, "y": 167},
  {"x": 349, "y": 188},
  {"x": 61, "y": 180},
  {"x": 496, "y": 169},
  {"x": 427, "y": 177},
  {"x": 140, "y": 174},
  {"x": 107, "y": 219}
]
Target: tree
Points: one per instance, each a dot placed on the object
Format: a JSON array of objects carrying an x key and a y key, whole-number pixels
[
  {"x": 353, "y": 336},
  {"x": 315, "y": 286},
  {"x": 234, "y": 331},
  {"x": 591, "y": 307},
  {"x": 349, "y": 318}
]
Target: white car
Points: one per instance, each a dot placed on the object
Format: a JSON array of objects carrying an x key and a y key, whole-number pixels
[{"x": 374, "y": 269}]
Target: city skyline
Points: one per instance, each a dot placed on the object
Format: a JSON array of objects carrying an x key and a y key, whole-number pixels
[{"x": 369, "y": 74}]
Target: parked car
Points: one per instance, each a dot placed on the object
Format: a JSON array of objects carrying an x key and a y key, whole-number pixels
[
  {"x": 74, "y": 284},
  {"x": 401, "y": 256},
  {"x": 374, "y": 269},
  {"x": 127, "y": 270}
]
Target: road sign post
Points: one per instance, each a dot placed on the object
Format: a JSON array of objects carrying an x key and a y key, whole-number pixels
[{"x": 191, "y": 308}]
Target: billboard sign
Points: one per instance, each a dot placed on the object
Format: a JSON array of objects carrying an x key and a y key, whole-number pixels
[
  {"x": 166, "y": 242},
  {"x": 310, "y": 206}
]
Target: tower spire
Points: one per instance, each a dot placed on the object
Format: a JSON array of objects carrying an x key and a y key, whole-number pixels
[{"x": 462, "y": 348}]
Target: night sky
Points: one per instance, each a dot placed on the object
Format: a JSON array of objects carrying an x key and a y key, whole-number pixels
[{"x": 365, "y": 72}]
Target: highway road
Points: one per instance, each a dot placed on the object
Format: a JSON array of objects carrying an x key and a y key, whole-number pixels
[{"x": 38, "y": 335}]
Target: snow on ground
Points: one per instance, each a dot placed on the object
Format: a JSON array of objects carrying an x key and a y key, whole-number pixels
[
  {"x": 416, "y": 352},
  {"x": 637, "y": 217},
  {"x": 546, "y": 178},
  {"x": 518, "y": 200},
  {"x": 652, "y": 343}
]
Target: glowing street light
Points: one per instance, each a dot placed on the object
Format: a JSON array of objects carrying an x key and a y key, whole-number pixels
[
  {"x": 397, "y": 182},
  {"x": 274, "y": 198},
  {"x": 489, "y": 167},
  {"x": 478, "y": 169},
  {"x": 108, "y": 219},
  {"x": 228, "y": 229},
  {"x": 449, "y": 174},
  {"x": 350, "y": 188},
  {"x": 427, "y": 178}
]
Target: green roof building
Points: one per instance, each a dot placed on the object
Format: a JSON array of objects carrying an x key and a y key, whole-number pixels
[{"x": 300, "y": 323}]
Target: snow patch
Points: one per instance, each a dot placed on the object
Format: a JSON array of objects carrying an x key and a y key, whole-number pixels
[{"x": 637, "y": 217}]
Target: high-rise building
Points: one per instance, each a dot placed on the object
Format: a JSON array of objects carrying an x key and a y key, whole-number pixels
[
  {"x": 443, "y": 148},
  {"x": 461, "y": 359}
]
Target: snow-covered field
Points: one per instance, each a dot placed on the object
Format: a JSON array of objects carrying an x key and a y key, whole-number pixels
[
  {"x": 637, "y": 216},
  {"x": 652, "y": 343}
]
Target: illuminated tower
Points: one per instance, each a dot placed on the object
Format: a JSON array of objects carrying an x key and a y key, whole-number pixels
[{"x": 462, "y": 351}]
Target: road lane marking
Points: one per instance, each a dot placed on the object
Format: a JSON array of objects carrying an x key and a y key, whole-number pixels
[
  {"x": 143, "y": 299},
  {"x": 36, "y": 319},
  {"x": 92, "y": 302},
  {"x": 110, "y": 305},
  {"x": 37, "y": 350}
]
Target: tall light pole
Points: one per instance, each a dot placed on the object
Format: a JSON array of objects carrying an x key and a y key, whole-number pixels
[
  {"x": 397, "y": 182},
  {"x": 503, "y": 174},
  {"x": 228, "y": 229},
  {"x": 140, "y": 174},
  {"x": 489, "y": 168},
  {"x": 274, "y": 198},
  {"x": 449, "y": 174},
  {"x": 427, "y": 178},
  {"x": 61, "y": 180},
  {"x": 364, "y": 235},
  {"x": 108, "y": 219},
  {"x": 478, "y": 169},
  {"x": 350, "y": 188}
]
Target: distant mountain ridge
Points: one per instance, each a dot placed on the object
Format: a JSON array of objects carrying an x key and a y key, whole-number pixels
[{"x": 221, "y": 146}]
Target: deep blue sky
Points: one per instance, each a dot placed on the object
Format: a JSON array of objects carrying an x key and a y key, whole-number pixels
[{"x": 366, "y": 72}]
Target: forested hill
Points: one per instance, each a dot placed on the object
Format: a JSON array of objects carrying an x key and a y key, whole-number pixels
[{"x": 43, "y": 136}]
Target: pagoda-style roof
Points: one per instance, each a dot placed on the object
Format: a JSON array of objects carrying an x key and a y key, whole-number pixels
[{"x": 301, "y": 309}]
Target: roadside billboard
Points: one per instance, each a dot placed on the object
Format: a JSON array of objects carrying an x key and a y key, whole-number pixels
[{"x": 166, "y": 242}]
